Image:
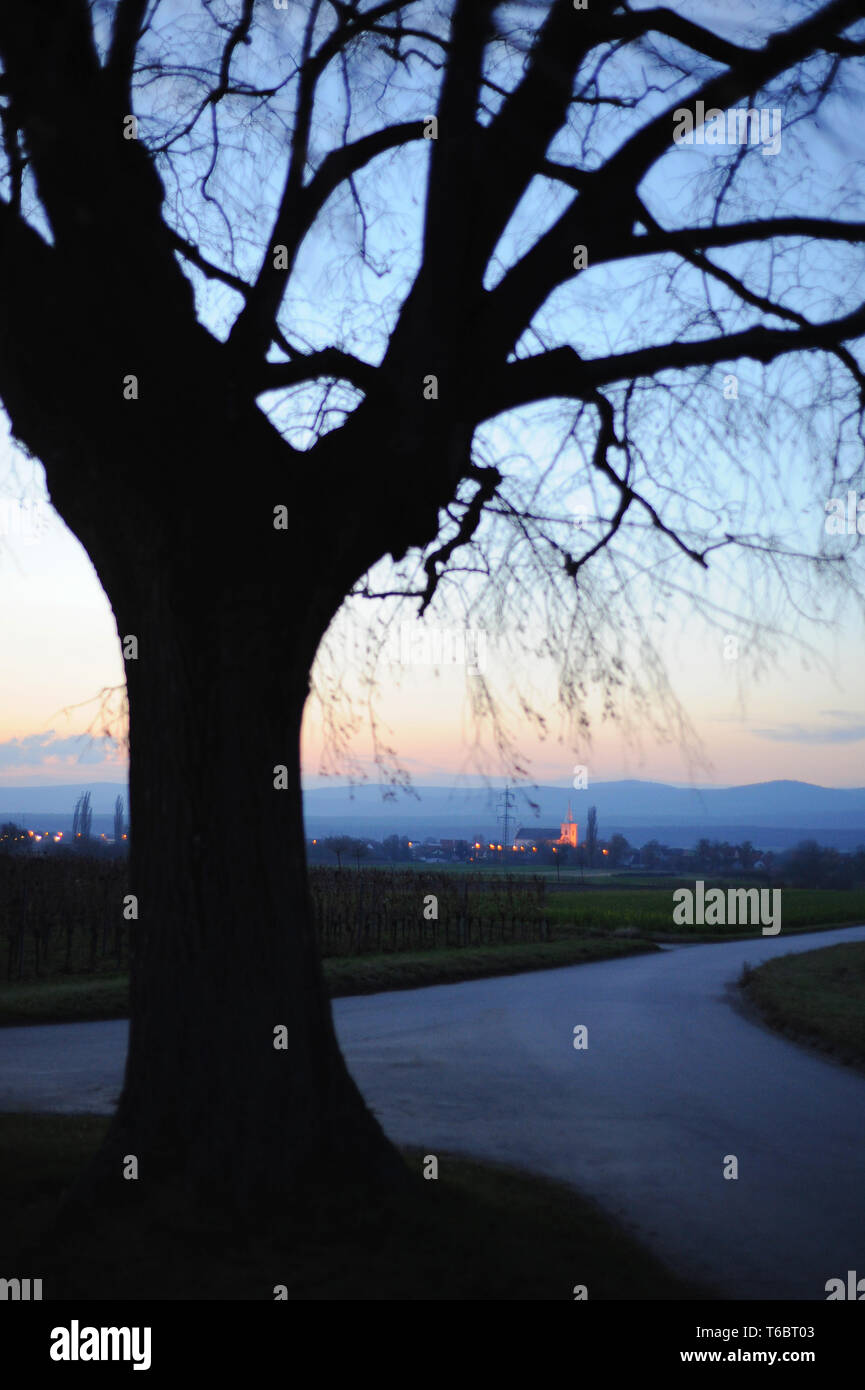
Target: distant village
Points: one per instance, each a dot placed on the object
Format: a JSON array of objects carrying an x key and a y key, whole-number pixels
[
  {"x": 542, "y": 841},
  {"x": 559, "y": 847},
  {"x": 549, "y": 846}
]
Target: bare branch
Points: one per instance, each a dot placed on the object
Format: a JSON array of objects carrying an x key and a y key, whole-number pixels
[
  {"x": 675, "y": 26},
  {"x": 128, "y": 25},
  {"x": 602, "y": 213},
  {"x": 488, "y": 479},
  {"x": 329, "y": 362},
  {"x": 562, "y": 372}
]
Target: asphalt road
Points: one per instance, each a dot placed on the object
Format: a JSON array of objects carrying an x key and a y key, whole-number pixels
[{"x": 673, "y": 1081}]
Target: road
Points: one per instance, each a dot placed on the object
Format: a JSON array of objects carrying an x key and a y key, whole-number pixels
[{"x": 674, "y": 1079}]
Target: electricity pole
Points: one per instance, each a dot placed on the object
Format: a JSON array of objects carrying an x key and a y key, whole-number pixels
[{"x": 504, "y": 815}]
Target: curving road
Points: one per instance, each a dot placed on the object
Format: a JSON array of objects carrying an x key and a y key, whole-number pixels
[{"x": 673, "y": 1080}]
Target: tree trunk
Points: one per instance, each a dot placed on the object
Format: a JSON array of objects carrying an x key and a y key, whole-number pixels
[{"x": 225, "y": 964}]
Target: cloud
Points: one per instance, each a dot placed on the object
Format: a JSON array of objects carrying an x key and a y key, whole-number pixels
[
  {"x": 849, "y": 729},
  {"x": 48, "y": 751}
]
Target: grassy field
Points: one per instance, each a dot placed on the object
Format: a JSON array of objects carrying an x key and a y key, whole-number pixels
[
  {"x": 575, "y": 925},
  {"x": 649, "y": 911},
  {"x": 477, "y": 1233},
  {"x": 76, "y": 999},
  {"x": 817, "y": 997}
]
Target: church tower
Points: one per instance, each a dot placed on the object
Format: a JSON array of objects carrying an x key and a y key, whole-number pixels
[{"x": 569, "y": 830}]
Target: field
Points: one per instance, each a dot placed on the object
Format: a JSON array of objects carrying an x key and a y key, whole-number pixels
[
  {"x": 63, "y": 916},
  {"x": 816, "y": 997},
  {"x": 648, "y": 911},
  {"x": 376, "y": 910}
]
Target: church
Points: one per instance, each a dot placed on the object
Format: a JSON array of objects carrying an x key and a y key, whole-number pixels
[{"x": 528, "y": 837}]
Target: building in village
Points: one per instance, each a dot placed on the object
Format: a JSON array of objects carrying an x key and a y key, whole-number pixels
[{"x": 532, "y": 837}]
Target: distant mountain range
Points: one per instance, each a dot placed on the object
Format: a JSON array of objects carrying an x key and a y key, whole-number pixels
[{"x": 774, "y": 815}]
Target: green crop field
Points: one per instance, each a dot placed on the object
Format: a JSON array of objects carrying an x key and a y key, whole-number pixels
[
  {"x": 65, "y": 945},
  {"x": 649, "y": 912}
]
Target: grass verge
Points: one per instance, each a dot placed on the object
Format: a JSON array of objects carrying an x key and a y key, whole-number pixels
[
  {"x": 78, "y": 999},
  {"x": 479, "y": 1232},
  {"x": 411, "y": 970},
  {"x": 817, "y": 997}
]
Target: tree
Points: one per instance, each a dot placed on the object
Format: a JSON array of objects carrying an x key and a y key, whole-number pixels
[
  {"x": 808, "y": 864},
  {"x": 704, "y": 854},
  {"x": 118, "y": 820},
  {"x": 619, "y": 848},
  {"x": 339, "y": 845},
  {"x": 169, "y": 178},
  {"x": 726, "y": 856},
  {"x": 82, "y": 818},
  {"x": 396, "y": 848},
  {"x": 651, "y": 854},
  {"x": 592, "y": 835}
]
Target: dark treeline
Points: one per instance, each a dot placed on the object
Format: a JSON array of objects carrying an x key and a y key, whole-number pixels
[
  {"x": 807, "y": 865},
  {"x": 83, "y": 839}
]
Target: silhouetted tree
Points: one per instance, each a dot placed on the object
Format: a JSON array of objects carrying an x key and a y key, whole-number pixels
[
  {"x": 748, "y": 855},
  {"x": 591, "y": 838},
  {"x": 339, "y": 845},
  {"x": 236, "y": 462},
  {"x": 619, "y": 849},
  {"x": 726, "y": 856},
  {"x": 82, "y": 819},
  {"x": 704, "y": 855},
  {"x": 652, "y": 854}
]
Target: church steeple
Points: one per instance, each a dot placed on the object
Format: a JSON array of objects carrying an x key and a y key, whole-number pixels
[{"x": 569, "y": 830}]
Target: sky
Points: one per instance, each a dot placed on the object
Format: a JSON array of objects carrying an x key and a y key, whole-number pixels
[
  {"x": 60, "y": 650},
  {"x": 795, "y": 716}
]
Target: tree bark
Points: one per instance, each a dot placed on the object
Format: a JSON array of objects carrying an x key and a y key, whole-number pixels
[{"x": 224, "y": 950}]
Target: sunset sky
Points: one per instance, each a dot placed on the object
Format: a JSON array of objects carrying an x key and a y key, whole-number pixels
[
  {"x": 60, "y": 649},
  {"x": 797, "y": 718}
]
